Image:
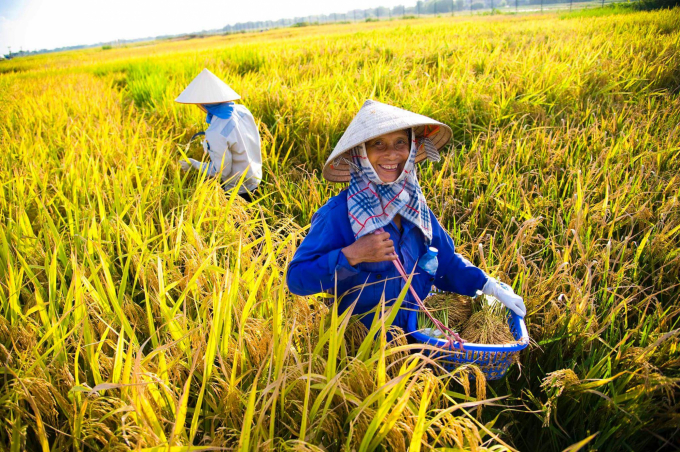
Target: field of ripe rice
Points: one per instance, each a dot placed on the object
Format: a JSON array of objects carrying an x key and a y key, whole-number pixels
[{"x": 142, "y": 309}]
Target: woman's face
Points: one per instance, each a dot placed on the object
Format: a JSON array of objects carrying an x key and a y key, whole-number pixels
[{"x": 388, "y": 154}]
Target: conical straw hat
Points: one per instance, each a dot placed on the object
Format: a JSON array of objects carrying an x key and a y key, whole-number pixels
[
  {"x": 207, "y": 88},
  {"x": 373, "y": 120}
]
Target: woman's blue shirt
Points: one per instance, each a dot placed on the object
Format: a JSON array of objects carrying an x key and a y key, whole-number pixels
[{"x": 320, "y": 266}]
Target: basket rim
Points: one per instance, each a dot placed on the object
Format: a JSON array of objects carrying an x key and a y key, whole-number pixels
[{"x": 521, "y": 328}]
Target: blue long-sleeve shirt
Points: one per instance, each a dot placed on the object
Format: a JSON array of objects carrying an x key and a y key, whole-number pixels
[{"x": 319, "y": 264}]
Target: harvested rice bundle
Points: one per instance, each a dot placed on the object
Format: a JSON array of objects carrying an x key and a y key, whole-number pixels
[
  {"x": 458, "y": 308},
  {"x": 488, "y": 324},
  {"x": 451, "y": 309},
  {"x": 481, "y": 320}
]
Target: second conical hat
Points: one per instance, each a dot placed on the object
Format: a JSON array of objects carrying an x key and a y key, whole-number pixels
[
  {"x": 207, "y": 88},
  {"x": 373, "y": 120}
]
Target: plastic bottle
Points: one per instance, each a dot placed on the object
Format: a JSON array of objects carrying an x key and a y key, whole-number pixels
[
  {"x": 432, "y": 332},
  {"x": 429, "y": 262}
]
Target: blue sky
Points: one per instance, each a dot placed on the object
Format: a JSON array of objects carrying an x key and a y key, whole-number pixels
[{"x": 45, "y": 24}]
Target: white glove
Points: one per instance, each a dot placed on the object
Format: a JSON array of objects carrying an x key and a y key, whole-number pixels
[
  {"x": 205, "y": 146},
  {"x": 504, "y": 294},
  {"x": 184, "y": 165}
]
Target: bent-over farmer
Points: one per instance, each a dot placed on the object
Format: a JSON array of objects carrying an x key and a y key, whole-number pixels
[
  {"x": 232, "y": 140},
  {"x": 383, "y": 215}
]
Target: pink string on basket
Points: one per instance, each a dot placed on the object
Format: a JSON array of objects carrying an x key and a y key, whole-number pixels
[{"x": 451, "y": 336}]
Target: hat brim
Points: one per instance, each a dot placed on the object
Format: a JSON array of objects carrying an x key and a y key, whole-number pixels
[
  {"x": 337, "y": 168},
  {"x": 197, "y": 101}
]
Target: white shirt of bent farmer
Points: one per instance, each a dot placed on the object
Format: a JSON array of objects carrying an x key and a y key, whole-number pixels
[{"x": 233, "y": 145}]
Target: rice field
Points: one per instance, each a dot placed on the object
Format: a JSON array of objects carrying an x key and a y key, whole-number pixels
[{"x": 142, "y": 309}]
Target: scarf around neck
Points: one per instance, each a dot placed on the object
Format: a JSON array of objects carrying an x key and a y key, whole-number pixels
[
  {"x": 372, "y": 204},
  {"x": 222, "y": 110}
]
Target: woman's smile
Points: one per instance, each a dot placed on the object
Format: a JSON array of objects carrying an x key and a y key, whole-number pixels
[{"x": 389, "y": 167}]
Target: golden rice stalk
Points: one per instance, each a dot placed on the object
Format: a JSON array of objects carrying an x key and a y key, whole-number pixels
[
  {"x": 554, "y": 384},
  {"x": 355, "y": 334},
  {"x": 487, "y": 326},
  {"x": 458, "y": 308},
  {"x": 449, "y": 308}
]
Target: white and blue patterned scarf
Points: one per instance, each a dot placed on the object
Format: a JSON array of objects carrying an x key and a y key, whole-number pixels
[{"x": 372, "y": 203}]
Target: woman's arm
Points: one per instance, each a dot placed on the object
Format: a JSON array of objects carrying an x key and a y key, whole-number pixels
[
  {"x": 318, "y": 260},
  {"x": 455, "y": 273},
  {"x": 201, "y": 166},
  {"x": 219, "y": 152}
]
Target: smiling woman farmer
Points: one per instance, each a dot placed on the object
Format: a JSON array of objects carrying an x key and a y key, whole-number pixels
[{"x": 383, "y": 216}]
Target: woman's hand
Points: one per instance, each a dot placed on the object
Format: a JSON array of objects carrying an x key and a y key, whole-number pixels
[
  {"x": 504, "y": 294},
  {"x": 370, "y": 248}
]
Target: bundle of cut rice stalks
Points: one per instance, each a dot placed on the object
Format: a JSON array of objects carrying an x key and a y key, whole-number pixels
[
  {"x": 451, "y": 309},
  {"x": 488, "y": 323},
  {"x": 480, "y": 320}
]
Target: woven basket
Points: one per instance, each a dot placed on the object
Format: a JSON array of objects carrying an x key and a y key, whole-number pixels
[{"x": 493, "y": 359}]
